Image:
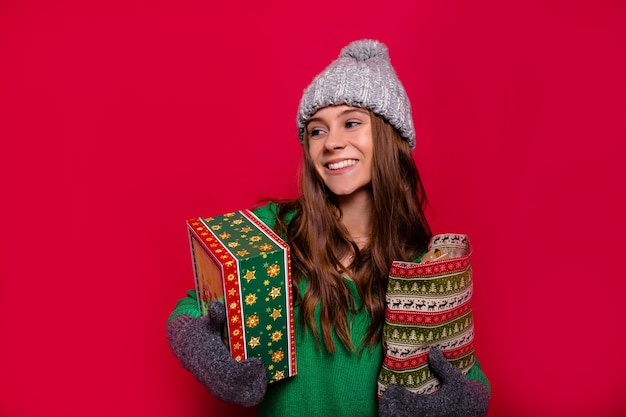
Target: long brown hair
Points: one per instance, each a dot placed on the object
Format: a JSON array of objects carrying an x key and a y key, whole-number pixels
[{"x": 318, "y": 239}]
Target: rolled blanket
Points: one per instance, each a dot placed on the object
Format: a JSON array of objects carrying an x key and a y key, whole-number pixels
[{"x": 429, "y": 305}]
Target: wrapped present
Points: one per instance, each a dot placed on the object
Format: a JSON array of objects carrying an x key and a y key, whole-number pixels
[
  {"x": 428, "y": 306},
  {"x": 240, "y": 262}
]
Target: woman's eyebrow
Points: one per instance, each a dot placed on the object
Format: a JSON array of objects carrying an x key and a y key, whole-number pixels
[
  {"x": 313, "y": 119},
  {"x": 352, "y": 110},
  {"x": 342, "y": 114}
]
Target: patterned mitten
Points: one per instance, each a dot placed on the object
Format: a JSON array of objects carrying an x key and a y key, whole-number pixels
[
  {"x": 197, "y": 343},
  {"x": 458, "y": 396}
]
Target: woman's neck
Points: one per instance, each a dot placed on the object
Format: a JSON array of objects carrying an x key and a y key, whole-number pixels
[{"x": 356, "y": 215}]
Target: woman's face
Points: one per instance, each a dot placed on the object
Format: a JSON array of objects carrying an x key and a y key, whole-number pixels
[{"x": 341, "y": 147}]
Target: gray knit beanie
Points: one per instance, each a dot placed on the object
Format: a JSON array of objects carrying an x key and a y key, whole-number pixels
[{"x": 362, "y": 76}]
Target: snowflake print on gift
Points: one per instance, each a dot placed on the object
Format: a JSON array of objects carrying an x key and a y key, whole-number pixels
[
  {"x": 278, "y": 356},
  {"x": 273, "y": 270},
  {"x": 252, "y": 321},
  {"x": 250, "y": 299}
]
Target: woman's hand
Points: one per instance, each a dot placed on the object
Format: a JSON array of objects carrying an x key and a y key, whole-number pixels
[
  {"x": 197, "y": 342},
  {"x": 457, "y": 397}
]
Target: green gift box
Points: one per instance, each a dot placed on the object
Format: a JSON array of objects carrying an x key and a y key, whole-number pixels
[{"x": 242, "y": 263}]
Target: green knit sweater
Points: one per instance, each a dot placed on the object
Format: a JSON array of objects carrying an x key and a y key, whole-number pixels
[{"x": 342, "y": 384}]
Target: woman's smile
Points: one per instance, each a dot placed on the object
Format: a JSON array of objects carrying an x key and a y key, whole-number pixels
[{"x": 339, "y": 166}]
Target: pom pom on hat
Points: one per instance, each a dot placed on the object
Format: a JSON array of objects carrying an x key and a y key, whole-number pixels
[
  {"x": 364, "y": 50},
  {"x": 362, "y": 76}
]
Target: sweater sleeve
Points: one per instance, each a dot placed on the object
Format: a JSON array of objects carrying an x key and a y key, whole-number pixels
[
  {"x": 476, "y": 373},
  {"x": 267, "y": 214},
  {"x": 186, "y": 306}
]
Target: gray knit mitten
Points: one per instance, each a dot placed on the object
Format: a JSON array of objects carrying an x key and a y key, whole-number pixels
[
  {"x": 197, "y": 343},
  {"x": 457, "y": 397}
]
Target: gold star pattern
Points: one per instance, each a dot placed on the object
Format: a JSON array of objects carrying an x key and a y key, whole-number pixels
[
  {"x": 230, "y": 277},
  {"x": 265, "y": 247},
  {"x": 279, "y": 375},
  {"x": 216, "y": 227},
  {"x": 251, "y": 299},
  {"x": 234, "y": 319},
  {"x": 233, "y": 244},
  {"x": 249, "y": 275},
  {"x": 277, "y": 335},
  {"x": 275, "y": 293},
  {"x": 275, "y": 314},
  {"x": 255, "y": 238},
  {"x": 254, "y": 342},
  {"x": 266, "y": 282},
  {"x": 224, "y": 235},
  {"x": 232, "y": 292},
  {"x": 242, "y": 252},
  {"x": 246, "y": 229}
]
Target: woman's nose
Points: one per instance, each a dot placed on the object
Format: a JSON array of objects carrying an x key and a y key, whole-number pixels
[{"x": 334, "y": 141}]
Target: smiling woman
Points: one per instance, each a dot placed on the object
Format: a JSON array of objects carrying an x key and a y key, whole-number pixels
[
  {"x": 361, "y": 208},
  {"x": 338, "y": 140}
]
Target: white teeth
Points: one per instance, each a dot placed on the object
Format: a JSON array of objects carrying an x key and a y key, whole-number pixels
[{"x": 342, "y": 164}]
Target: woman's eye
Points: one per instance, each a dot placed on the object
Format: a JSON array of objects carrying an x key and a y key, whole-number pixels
[
  {"x": 352, "y": 123},
  {"x": 315, "y": 132}
]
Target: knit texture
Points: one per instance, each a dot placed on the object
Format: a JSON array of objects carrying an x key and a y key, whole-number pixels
[
  {"x": 197, "y": 343},
  {"x": 362, "y": 76},
  {"x": 458, "y": 396}
]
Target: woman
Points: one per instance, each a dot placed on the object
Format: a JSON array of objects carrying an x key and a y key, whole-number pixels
[{"x": 361, "y": 207}]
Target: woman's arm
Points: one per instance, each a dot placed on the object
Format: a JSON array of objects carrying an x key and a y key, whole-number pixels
[{"x": 476, "y": 373}]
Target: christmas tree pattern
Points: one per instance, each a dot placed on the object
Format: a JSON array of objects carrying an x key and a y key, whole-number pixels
[{"x": 428, "y": 306}]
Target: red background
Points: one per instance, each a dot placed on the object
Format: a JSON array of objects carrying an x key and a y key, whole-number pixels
[{"x": 120, "y": 120}]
